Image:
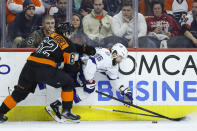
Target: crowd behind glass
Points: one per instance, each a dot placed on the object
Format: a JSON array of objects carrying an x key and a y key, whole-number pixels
[{"x": 161, "y": 23}]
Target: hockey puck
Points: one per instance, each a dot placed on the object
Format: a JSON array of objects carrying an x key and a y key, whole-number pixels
[{"x": 154, "y": 122}]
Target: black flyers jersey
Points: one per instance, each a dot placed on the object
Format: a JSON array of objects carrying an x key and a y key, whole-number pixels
[{"x": 55, "y": 49}]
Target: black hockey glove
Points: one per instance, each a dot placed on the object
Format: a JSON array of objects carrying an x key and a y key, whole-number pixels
[{"x": 89, "y": 50}]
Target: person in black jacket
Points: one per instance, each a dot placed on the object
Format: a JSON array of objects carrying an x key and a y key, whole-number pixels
[
  {"x": 41, "y": 66},
  {"x": 189, "y": 26},
  {"x": 113, "y": 7},
  {"x": 24, "y": 24}
]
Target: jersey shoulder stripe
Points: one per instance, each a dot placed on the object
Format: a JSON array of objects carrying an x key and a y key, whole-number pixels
[{"x": 59, "y": 40}]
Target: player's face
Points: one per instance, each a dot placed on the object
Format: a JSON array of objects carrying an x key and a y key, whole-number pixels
[
  {"x": 157, "y": 10},
  {"x": 127, "y": 12},
  {"x": 119, "y": 59},
  {"x": 49, "y": 25},
  {"x": 75, "y": 22},
  {"x": 62, "y": 5},
  {"x": 194, "y": 9},
  {"x": 98, "y": 6}
]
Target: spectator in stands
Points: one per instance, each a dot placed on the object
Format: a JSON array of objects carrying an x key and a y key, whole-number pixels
[
  {"x": 35, "y": 38},
  {"x": 97, "y": 24},
  {"x": 48, "y": 3},
  {"x": 189, "y": 28},
  {"x": 24, "y": 24},
  {"x": 0, "y": 36},
  {"x": 78, "y": 36},
  {"x": 160, "y": 22},
  {"x": 123, "y": 26},
  {"x": 145, "y": 7},
  {"x": 86, "y": 7},
  {"x": 0, "y": 27},
  {"x": 76, "y": 5},
  {"x": 58, "y": 11},
  {"x": 14, "y": 7},
  {"x": 113, "y": 7},
  {"x": 177, "y": 8}
]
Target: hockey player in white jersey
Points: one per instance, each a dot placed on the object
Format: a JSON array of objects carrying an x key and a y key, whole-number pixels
[{"x": 104, "y": 61}]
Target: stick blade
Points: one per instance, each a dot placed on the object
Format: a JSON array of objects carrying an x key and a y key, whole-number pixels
[{"x": 179, "y": 119}]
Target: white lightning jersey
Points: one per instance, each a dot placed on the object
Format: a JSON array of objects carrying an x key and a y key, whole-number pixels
[{"x": 102, "y": 62}]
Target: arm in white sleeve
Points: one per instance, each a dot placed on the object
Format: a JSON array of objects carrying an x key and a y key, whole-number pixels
[
  {"x": 118, "y": 28},
  {"x": 116, "y": 84},
  {"x": 15, "y": 8},
  {"x": 142, "y": 26},
  {"x": 89, "y": 70},
  {"x": 113, "y": 76}
]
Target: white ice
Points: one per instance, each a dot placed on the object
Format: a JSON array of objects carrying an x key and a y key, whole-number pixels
[{"x": 187, "y": 125}]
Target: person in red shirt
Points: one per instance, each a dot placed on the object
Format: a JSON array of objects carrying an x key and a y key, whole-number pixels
[{"x": 160, "y": 22}]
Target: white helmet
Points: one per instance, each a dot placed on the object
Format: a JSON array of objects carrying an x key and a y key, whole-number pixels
[{"x": 120, "y": 49}]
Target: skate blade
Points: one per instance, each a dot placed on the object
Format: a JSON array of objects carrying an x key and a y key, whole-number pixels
[
  {"x": 52, "y": 114},
  {"x": 63, "y": 120},
  {"x": 2, "y": 122},
  {"x": 69, "y": 121}
]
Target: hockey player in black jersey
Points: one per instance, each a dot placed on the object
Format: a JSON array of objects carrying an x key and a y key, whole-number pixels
[{"x": 41, "y": 66}]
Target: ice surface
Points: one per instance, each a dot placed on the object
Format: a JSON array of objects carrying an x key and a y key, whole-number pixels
[{"x": 187, "y": 125}]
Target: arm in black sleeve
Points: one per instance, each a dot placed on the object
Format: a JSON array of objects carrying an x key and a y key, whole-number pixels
[
  {"x": 89, "y": 50},
  {"x": 185, "y": 28}
]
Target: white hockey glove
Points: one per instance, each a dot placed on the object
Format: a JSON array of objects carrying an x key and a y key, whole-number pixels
[
  {"x": 126, "y": 93},
  {"x": 90, "y": 86}
]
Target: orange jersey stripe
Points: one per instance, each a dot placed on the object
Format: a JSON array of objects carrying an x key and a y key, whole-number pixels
[
  {"x": 10, "y": 102},
  {"x": 42, "y": 61},
  {"x": 67, "y": 96},
  {"x": 59, "y": 40}
]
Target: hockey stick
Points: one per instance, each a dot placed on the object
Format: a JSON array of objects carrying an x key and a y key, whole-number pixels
[
  {"x": 141, "y": 108},
  {"x": 98, "y": 108}
]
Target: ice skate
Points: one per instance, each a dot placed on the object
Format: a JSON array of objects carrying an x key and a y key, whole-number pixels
[
  {"x": 3, "y": 118},
  {"x": 68, "y": 116},
  {"x": 54, "y": 110}
]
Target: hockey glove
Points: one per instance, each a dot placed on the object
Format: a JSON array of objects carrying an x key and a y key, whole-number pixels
[
  {"x": 76, "y": 97},
  {"x": 90, "y": 86},
  {"x": 127, "y": 94},
  {"x": 89, "y": 50}
]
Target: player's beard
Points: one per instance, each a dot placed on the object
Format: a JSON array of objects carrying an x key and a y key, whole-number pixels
[{"x": 114, "y": 62}]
